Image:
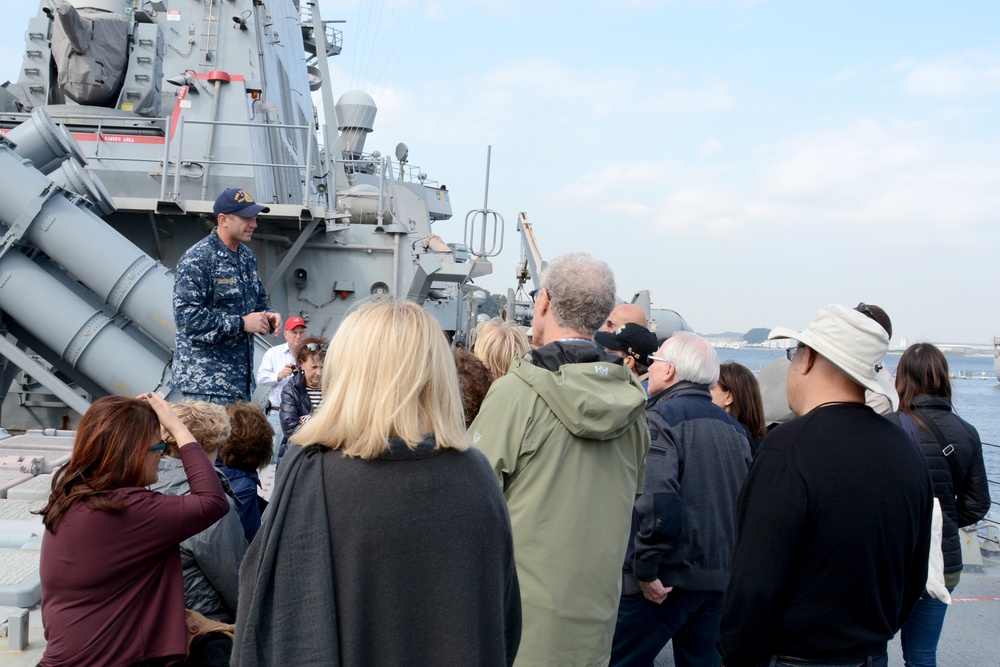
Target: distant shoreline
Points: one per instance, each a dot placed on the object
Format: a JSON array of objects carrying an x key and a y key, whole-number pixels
[{"x": 948, "y": 348}]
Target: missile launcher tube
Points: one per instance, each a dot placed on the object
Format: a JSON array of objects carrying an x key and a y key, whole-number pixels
[
  {"x": 111, "y": 266},
  {"x": 77, "y": 330},
  {"x": 43, "y": 142}
]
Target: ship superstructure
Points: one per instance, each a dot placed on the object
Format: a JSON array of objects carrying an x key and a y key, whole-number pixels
[{"x": 126, "y": 120}]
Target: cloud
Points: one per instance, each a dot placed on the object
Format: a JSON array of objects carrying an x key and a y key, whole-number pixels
[
  {"x": 710, "y": 148},
  {"x": 952, "y": 75},
  {"x": 888, "y": 180},
  {"x": 847, "y": 74}
]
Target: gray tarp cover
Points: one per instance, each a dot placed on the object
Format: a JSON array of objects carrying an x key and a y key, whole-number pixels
[{"x": 90, "y": 48}]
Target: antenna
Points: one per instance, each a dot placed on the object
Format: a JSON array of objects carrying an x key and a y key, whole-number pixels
[
  {"x": 402, "y": 154},
  {"x": 488, "y": 217}
]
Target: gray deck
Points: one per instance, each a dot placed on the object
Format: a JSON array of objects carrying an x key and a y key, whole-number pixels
[{"x": 971, "y": 634}]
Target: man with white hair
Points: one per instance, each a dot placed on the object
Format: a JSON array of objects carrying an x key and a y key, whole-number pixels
[
  {"x": 566, "y": 433},
  {"x": 835, "y": 517},
  {"x": 684, "y": 524}
]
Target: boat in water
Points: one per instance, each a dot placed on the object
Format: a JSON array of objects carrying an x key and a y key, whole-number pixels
[{"x": 996, "y": 356}]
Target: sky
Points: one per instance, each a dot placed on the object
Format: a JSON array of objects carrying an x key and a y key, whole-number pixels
[{"x": 748, "y": 161}]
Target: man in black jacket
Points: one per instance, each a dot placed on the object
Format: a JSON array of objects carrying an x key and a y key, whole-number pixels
[
  {"x": 684, "y": 524},
  {"x": 835, "y": 516}
]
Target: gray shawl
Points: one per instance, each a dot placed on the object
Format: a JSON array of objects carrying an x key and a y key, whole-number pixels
[{"x": 292, "y": 526}]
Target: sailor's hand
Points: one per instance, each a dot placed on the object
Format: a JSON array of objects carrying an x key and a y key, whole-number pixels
[
  {"x": 257, "y": 323},
  {"x": 274, "y": 320},
  {"x": 654, "y": 591}
]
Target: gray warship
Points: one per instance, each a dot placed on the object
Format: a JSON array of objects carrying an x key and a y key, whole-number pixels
[{"x": 125, "y": 122}]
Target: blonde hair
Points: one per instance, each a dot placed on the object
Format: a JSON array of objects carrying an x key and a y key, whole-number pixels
[
  {"x": 498, "y": 343},
  {"x": 208, "y": 423},
  {"x": 388, "y": 374}
]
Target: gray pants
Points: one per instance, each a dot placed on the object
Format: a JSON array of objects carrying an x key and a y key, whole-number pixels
[{"x": 274, "y": 419}]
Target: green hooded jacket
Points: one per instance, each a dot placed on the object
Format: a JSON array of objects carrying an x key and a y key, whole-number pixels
[{"x": 568, "y": 446}]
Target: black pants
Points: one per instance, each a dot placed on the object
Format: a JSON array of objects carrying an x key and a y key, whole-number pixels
[{"x": 690, "y": 618}]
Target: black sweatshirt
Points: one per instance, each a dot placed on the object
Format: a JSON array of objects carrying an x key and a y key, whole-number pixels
[{"x": 833, "y": 538}]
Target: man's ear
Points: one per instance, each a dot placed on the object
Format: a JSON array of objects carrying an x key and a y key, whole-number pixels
[
  {"x": 669, "y": 372},
  {"x": 810, "y": 359},
  {"x": 629, "y": 362}
]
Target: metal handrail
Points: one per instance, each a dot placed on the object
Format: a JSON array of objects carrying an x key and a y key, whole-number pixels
[{"x": 306, "y": 167}]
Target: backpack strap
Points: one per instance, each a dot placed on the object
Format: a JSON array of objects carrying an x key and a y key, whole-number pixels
[{"x": 946, "y": 447}]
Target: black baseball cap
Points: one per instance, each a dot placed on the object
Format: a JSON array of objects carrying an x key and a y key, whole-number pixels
[
  {"x": 633, "y": 339},
  {"x": 237, "y": 201}
]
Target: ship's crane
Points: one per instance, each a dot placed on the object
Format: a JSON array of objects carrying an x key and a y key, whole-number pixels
[{"x": 529, "y": 267}]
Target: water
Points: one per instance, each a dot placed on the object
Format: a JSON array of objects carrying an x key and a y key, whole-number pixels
[{"x": 976, "y": 398}]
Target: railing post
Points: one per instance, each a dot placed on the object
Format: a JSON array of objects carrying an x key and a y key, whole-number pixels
[{"x": 180, "y": 149}]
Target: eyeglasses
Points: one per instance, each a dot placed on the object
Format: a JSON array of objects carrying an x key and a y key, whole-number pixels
[
  {"x": 790, "y": 352},
  {"x": 534, "y": 292},
  {"x": 863, "y": 308},
  {"x": 315, "y": 347},
  {"x": 159, "y": 449},
  {"x": 653, "y": 357}
]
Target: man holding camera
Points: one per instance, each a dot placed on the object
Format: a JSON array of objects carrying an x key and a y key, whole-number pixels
[
  {"x": 219, "y": 302},
  {"x": 276, "y": 369}
]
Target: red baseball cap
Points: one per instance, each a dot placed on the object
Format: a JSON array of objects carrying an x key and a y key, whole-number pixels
[{"x": 293, "y": 322}]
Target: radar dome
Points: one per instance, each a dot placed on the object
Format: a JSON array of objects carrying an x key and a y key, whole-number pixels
[{"x": 356, "y": 111}]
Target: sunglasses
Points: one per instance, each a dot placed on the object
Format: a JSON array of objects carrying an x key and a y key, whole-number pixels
[
  {"x": 534, "y": 292},
  {"x": 790, "y": 352},
  {"x": 159, "y": 449},
  {"x": 315, "y": 347}
]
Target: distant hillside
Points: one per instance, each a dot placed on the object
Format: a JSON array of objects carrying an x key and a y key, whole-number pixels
[
  {"x": 730, "y": 335},
  {"x": 756, "y": 335}
]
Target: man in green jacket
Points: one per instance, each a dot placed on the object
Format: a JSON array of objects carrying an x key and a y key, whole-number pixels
[{"x": 567, "y": 434}]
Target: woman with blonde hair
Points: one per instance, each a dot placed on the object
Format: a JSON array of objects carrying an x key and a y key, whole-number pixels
[
  {"x": 498, "y": 343},
  {"x": 211, "y": 559},
  {"x": 387, "y": 539}
]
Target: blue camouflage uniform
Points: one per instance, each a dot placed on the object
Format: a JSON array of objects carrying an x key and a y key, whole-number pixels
[{"x": 214, "y": 288}]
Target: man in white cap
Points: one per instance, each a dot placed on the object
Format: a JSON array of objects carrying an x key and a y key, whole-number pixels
[{"x": 834, "y": 519}]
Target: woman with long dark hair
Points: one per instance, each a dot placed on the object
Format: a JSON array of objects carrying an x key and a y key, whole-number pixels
[
  {"x": 738, "y": 393},
  {"x": 112, "y": 591},
  {"x": 954, "y": 456}
]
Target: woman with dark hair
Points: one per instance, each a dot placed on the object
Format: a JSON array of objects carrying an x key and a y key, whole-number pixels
[
  {"x": 954, "y": 456},
  {"x": 301, "y": 396},
  {"x": 248, "y": 451},
  {"x": 112, "y": 590},
  {"x": 738, "y": 393},
  {"x": 474, "y": 380}
]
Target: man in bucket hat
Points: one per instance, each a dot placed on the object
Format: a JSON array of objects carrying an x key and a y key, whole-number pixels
[
  {"x": 219, "y": 303},
  {"x": 834, "y": 519}
]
